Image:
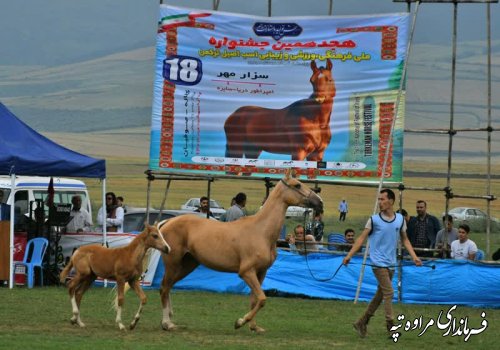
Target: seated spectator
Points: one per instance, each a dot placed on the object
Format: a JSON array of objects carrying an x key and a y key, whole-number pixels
[
  {"x": 496, "y": 255},
  {"x": 316, "y": 227},
  {"x": 298, "y": 240},
  {"x": 463, "y": 248},
  {"x": 237, "y": 210},
  {"x": 445, "y": 236},
  {"x": 204, "y": 207},
  {"x": 349, "y": 240}
]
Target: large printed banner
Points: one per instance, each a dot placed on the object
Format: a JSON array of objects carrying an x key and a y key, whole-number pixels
[{"x": 253, "y": 96}]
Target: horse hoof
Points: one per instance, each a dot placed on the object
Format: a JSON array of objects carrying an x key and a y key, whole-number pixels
[
  {"x": 133, "y": 323},
  {"x": 239, "y": 323},
  {"x": 257, "y": 329},
  {"x": 168, "y": 326},
  {"x": 121, "y": 326}
]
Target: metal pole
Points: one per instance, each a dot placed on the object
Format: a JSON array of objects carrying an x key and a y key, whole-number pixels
[
  {"x": 490, "y": 129},
  {"x": 11, "y": 227},
  {"x": 208, "y": 195},
  {"x": 269, "y": 8},
  {"x": 386, "y": 156},
  {"x": 451, "y": 132},
  {"x": 148, "y": 199},
  {"x": 330, "y": 8},
  {"x": 164, "y": 199}
]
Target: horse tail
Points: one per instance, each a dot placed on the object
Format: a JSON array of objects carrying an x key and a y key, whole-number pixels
[{"x": 66, "y": 271}]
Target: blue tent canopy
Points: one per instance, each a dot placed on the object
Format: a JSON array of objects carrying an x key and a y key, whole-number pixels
[{"x": 23, "y": 151}]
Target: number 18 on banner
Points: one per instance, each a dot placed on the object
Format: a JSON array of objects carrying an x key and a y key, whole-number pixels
[{"x": 182, "y": 70}]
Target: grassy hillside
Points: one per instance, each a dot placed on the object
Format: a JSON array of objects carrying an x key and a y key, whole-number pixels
[{"x": 115, "y": 92}]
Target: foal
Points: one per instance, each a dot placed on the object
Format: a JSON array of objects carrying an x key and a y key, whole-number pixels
[{"x": 123, "y": 264}]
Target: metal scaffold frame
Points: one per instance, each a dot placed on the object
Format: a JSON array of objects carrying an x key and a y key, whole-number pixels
[{"x": 451, "y": 131}]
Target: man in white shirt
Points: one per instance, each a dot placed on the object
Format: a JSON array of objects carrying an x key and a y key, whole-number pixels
[
  {"x": 463, "y": 248},
  {"x": 80, "y": 218}
]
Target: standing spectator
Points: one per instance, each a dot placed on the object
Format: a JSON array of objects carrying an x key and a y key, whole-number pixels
[
  {"x": 204, "y": 207},
  {"x": 463, "y": 248},
  {"x": 113, "y": 216},
  {"x": 423, "y": 228},
  {"x": 405, "y": 214},
  {"x": 120, "y": 202},
  {"x": 343, "y": 209},
  {"x": 445, "y": 236},
  {"x": 238, "y": 209},
  {"x": 80, "y": 218},
  {"x": 316, "y": 227},
  {"x": 383, "y": 231}
]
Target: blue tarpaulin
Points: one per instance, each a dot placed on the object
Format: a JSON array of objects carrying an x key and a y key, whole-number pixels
[{"x": 450, "y": 282}]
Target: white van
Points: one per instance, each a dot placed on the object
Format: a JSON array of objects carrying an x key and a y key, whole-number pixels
[{"x": 30, "y": 191}]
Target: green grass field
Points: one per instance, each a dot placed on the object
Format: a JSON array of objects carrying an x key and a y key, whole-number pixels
[{"x": 39, "y": 318}]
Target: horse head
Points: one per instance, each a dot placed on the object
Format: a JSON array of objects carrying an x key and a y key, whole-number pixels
[
  {"x": 154, "y": 239},
  {"x": 298, "y": 194},
  {"x": 323, "y": 88}
]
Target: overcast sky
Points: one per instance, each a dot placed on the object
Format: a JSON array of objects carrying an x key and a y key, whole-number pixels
[{"x": 54, "y": 32}]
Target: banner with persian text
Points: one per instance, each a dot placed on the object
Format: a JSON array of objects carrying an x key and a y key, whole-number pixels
[{"x": 254, "y": 96}]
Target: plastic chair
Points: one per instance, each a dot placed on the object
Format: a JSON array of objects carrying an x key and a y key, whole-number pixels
[
  {"x": 335, "y": 238},
  {"x": 33, "y": 257},
  {"x": 479, "y": 255}
]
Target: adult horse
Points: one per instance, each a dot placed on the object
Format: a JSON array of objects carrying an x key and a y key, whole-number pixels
[
  {"x": 301, "y": 129},
  {"x": 124, "y": 264},
  {"x": 246, "y": 246}
]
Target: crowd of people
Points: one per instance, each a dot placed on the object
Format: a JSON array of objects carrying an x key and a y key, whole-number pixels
[
  {"x": 112, "y": 215},
  {"x": 425, "y": 233}
]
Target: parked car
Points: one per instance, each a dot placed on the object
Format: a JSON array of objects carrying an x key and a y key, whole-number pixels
[
  {"x": 194, "y": 203},
  {"x": 297, "y": 212},
  {"x": 471, "y": 216},
  {"x": 134, "y": 218}
]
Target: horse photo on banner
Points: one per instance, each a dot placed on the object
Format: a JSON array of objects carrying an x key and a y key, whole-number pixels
[{"x": 245, "y": 95}]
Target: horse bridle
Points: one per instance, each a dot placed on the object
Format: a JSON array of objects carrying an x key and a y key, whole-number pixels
[{"x": 308, "y": 196}]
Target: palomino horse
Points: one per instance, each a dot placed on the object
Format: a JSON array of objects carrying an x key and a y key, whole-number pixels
[
  {"x": 301, "y": 129},
  {"x": 123, "y": 264},
  {"x": 246, "y": 246}
]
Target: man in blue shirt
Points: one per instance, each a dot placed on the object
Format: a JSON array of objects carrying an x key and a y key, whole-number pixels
[{"x": 383, "y": 231}]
